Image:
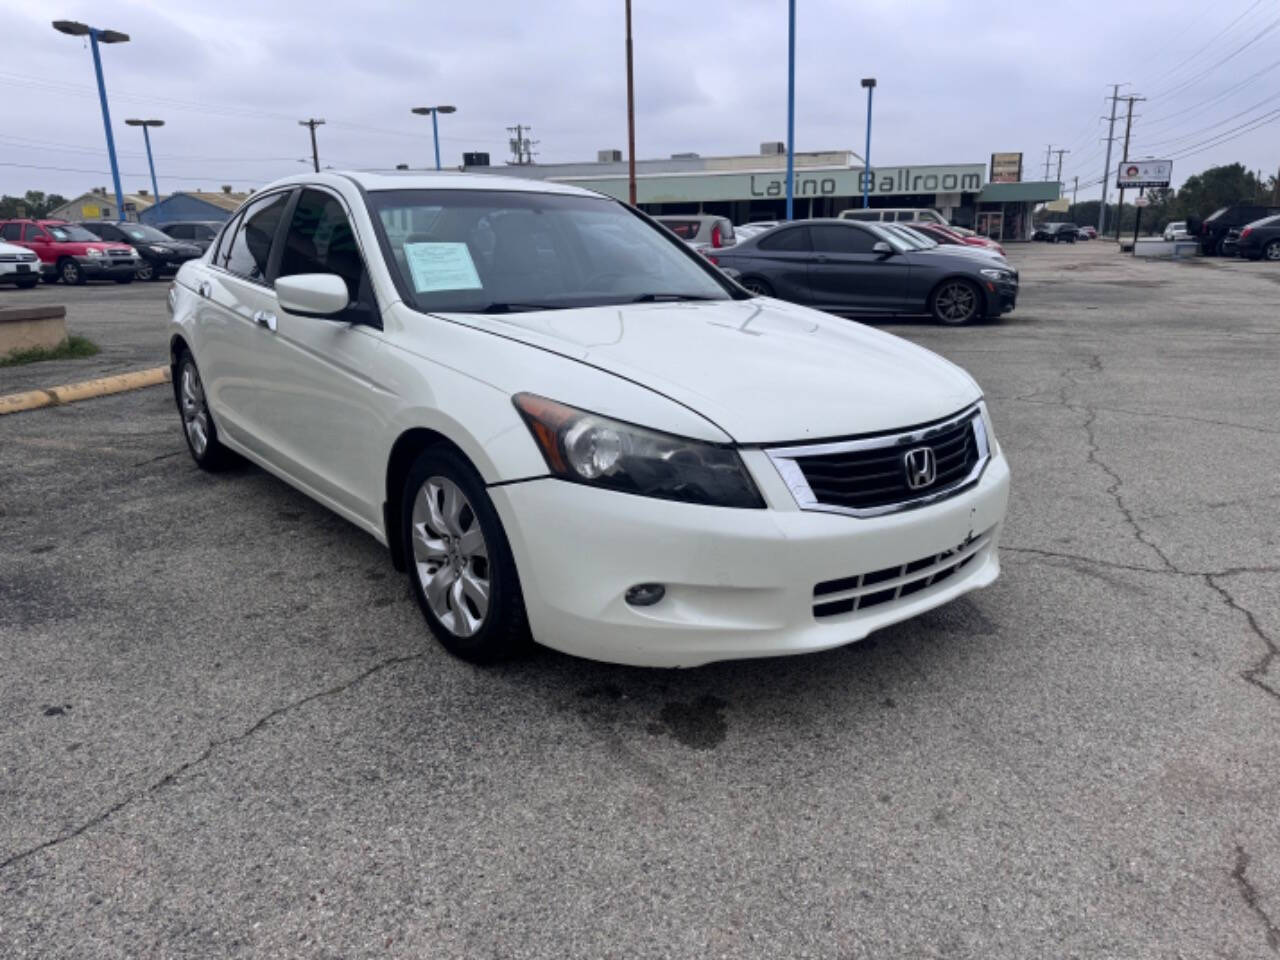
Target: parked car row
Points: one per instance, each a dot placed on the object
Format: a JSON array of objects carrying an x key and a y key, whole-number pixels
[
  {"x": 98, "y": 250},
  {"x": 1214, "y": 231}
]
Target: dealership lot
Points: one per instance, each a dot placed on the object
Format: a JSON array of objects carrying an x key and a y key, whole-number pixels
[{"x": 225, "y": 732}]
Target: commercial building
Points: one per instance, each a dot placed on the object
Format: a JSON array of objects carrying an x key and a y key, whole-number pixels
[
  {"x": 98, "y": 204},
  {"x": 751, "y": 187},
  {"x": 194, "y": 205}
]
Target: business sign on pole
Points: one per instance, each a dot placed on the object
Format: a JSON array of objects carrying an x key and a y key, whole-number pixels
[
  {"x": 1006, "y": 167},
  {"x": 1144, "y": 173}
]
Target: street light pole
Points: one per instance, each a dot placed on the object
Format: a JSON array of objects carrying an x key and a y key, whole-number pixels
[
  {"x": 146, "y": 136},
  {"x": 435, "y": 127},
  {"x": 76, "y": 29},
  {"x": 791, "y": 107},
  {"x": 631, "y": 117},
  {"x": 870, "y": 84}
]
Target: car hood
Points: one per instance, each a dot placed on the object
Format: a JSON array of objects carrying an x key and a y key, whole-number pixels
[{"x": 762, "y": 370}]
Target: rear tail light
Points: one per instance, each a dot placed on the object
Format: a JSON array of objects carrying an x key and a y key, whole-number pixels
[
  {"x": 714, "y": 260},
  {"x": 716, "y": 239},
  {"x": 1245, "y": 232}
]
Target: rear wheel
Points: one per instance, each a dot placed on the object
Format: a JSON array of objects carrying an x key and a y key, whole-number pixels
[
  {"x": 1272, "y": 250},
  {"x": 955, "y": 302},
  {"x": 197, "y": 423},
  {"x": 70, "y": 272},
  {"x": 756, "y": 286},
  {"x": 460, "y": 564}
]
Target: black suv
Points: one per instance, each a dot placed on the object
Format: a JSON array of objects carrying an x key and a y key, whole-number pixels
[
  {"x": 159, "y": 252},
  {"x": 200, "y": 232},
  {"x": 1056, "y": 232},
  {"x": 1213, "y": 229}
]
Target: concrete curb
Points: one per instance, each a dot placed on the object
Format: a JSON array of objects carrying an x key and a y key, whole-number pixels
[{"x": 84, "y": 390}]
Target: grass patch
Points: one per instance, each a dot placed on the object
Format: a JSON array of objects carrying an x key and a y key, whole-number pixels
[{"x": 68, "y": 349}]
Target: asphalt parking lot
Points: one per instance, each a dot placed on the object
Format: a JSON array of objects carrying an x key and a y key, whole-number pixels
[{"x": 226, "y": 733}]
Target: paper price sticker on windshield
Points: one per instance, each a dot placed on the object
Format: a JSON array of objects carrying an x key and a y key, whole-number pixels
[{"x": 441, "y": 266}]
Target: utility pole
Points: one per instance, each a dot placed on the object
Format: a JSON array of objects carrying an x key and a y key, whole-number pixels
[
  {"x": 1128, "y": 126},
  {"x": 1075, "y": 188},
  {"x": 1060, "y": 153},
  {"x": 1106, "y": 168},
  {"x": 521, "y": 145},
  {"x": 315, "y": 153},
  {"x": 631, "y": 118},
  {"x": 1048, "y": 152}
]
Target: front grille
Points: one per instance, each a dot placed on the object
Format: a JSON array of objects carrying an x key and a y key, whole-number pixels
[
  {"x": 871, "y": 476},
  {"x": 832, "y": 598}
]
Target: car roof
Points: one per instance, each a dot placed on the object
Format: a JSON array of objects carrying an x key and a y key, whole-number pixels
[{"x": 373, "y": 180}]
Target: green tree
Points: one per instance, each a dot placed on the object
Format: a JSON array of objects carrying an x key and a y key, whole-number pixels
[{"x": 33, "y": 203}]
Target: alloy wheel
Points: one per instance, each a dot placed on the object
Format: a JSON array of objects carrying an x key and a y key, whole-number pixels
[
  {"x": 956, "y": 303},
  {"x": 145, "y": 270},
  {"x": 1272, "y": 250},
  {"x": 195, "y": 412},
  {"x": 756, "y": 288},
  {"x": 70, "y": 272},
  {"x": 450, "y": 556}
]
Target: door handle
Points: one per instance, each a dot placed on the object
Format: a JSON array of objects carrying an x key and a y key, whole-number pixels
[
  {"x": 205, "y": 289},
  {"x": 821, "y": 258},
  {"x": 264, "y": 318}
]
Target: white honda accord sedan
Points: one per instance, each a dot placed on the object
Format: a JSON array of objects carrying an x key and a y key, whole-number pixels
[{"x": 566, "y": 425}]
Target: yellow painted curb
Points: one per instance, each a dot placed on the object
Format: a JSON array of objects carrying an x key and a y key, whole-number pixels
[{"x": 85, "y": 390}]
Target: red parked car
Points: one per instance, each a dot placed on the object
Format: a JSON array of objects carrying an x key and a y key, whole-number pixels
[
  {"x": 946, "y": 236},
  {"x": 71, "y": 253}
]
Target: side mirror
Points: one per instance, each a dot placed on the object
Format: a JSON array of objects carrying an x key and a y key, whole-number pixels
[
  {"x": 882, "y": 248},
  {"x": 312, "y": 294}
]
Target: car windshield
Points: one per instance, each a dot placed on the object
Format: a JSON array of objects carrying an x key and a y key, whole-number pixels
[
  {"x": 473, "y": 251},
  {"x": 889, "y": 234},
  {"x": 71, "y": 232},
  {"x": 919, "y": 236},
  {"x": 909, "y": 238},
  {"x": 144, "y": 234}
]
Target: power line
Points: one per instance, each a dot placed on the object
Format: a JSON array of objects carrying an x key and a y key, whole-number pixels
[
  {"x": 1200, "y": 107},
  {"x": 1209, "y": 69},
  {"x": 1196, "y": 133},
  {"x": 1182, "y": 63}
]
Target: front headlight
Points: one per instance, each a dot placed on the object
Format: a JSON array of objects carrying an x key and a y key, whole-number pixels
[
  {"x": 588, "y": 448},
  {"x": 994, "y": 274},
  {"x": 160, "y": 250},
  {"x": 93, "y": 252}
]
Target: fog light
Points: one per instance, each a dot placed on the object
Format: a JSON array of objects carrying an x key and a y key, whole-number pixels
[{"x": 645, "y": 594}]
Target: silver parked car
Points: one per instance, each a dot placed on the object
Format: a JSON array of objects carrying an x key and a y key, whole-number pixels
[{"x": 701, "y": 230}]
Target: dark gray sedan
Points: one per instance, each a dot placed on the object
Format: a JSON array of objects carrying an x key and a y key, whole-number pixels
[{"x": 848, "y": 267}]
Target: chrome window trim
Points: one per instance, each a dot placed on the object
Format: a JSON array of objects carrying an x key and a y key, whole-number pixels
[{"x": 784, "y": 461}]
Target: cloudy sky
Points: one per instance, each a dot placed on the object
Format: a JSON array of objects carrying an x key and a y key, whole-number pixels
[{"x": 958, "y": 79}]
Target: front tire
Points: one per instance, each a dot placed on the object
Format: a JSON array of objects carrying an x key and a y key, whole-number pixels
[
  {"x": 71, "y": 273},
  {"x": 955, "y": 302},
  {"x": 459, "y": 561},
  {"x": 756, "y": 287},
  {"x": 1272, "y": 251},
  {"x": 146, "y": 271},
  {"x": 197, "y": 422}
]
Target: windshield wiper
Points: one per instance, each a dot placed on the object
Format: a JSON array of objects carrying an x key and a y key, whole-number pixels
[
  {"x": 514, "y": 308},
  {"x": 667, "y": 297}
]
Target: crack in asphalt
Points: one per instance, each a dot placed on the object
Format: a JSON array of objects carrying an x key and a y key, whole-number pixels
[
  {"x": 1096, "y": 561},
  {"x": 1255, "y": 674},
  {"x": 1250, "y": 895},
  {"x": 1036, "y": 398},
  {"x": 1114, "y": 492},
  {"x": 204, "y": 755}
]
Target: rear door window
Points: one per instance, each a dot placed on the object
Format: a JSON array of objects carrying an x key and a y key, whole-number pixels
[
  {"x": 684, "y": 229},
  {"x": 35, "y": 233},
  {"x": 833, "y": 238},
  {"x": 862, "y": 215},
  {"x": 791, "y": 240},
  {"x": 250, "y": 251},
  {"x": 179, "y": 231},
  {"x": 11, "y": 231}
]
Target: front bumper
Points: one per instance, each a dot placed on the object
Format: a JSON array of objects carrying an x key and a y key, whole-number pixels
[
  {"x": 107, "y": 268},
  {"x": 1001, "y": 298},
  {"x": 27, "y": 268},
  {"x": 739, "y": 583}
]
